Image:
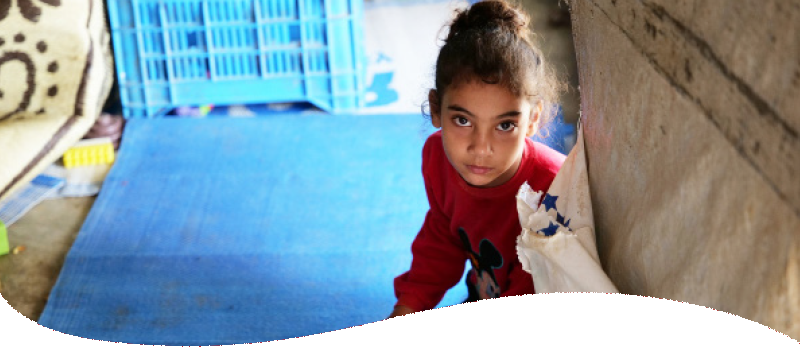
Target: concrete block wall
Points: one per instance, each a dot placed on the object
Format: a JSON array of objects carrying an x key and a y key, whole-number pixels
[{"x": 691, "y": 113}]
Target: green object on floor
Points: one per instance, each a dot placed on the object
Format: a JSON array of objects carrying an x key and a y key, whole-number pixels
[{"x": 3, "y": 239}]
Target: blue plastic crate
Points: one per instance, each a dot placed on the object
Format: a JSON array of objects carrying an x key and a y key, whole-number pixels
[{"x": 172, "y": 53}]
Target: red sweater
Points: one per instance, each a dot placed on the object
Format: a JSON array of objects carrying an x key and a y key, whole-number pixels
[{"x": 465, "y": 222}]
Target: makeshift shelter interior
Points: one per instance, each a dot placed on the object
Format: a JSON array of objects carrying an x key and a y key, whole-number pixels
[
  {"x": 45, "y": 227},
  {"x": 690, "y": 123}
]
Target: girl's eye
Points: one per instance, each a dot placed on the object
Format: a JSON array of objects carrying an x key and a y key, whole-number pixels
[
  {"x": 507, "y": 126},
  {"x": 461, "y": 121}
]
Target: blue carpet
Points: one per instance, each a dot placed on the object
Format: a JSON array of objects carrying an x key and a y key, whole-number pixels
[{"x": 235, "y": 230}]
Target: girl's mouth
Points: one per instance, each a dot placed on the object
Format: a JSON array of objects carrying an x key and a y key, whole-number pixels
[{"x": 478, "y": 170}]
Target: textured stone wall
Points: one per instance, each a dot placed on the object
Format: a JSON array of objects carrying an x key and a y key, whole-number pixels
[{"x": 691, "y": 113}]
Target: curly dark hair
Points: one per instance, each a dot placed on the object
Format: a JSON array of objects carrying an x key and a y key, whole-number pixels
[{"x": 491, "y": 41}]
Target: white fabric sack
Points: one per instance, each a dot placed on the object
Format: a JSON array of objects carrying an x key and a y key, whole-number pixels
[{"x": 557, "y": 244}]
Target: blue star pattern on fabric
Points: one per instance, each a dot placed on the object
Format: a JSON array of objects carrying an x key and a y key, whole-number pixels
[
  {"x": 549, "y": 202},
  {"x": 550, "y": 230},
  {"x": 560, "y": 219}
]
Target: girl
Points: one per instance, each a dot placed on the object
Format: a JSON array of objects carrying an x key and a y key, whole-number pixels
[{"x": 492, "y": 92}]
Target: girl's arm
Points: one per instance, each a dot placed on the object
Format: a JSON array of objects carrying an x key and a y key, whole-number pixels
[
  {"x": 437, "y": 265},
  {"x": 438, "y": 255},
  {"x": 401, "y": 310}
]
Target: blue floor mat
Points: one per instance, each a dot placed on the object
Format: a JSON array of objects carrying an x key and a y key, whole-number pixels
[{"x": 235, "y": 230}]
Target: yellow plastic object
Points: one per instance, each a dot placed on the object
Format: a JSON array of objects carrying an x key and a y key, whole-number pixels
[
  {"x": 3, "y": 239},
  {"x": 89, "y": 152}
]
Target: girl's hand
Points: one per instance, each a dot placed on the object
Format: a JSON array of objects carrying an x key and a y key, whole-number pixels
[{"x": 401, "y": 310}]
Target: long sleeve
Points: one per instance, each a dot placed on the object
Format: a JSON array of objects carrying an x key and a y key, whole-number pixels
[
  {"x": 437, "y": 265},
  {"x": 438, "y": 256}
]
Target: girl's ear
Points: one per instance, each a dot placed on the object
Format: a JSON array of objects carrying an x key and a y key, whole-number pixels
[
  {"x": 436, "y": 108},
  {"x": 533, "y": 125}
]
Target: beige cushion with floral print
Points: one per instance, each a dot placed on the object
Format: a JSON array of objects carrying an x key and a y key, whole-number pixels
[{"x": 55, "y": 73}]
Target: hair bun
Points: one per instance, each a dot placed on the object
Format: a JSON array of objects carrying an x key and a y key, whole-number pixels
[{"x": 489, "y": 15}]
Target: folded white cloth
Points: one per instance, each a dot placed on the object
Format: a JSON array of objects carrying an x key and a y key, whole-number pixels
[{"x": 557, "y": 244}]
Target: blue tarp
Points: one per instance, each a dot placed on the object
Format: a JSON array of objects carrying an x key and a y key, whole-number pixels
[{"x": 234, "y": 230}]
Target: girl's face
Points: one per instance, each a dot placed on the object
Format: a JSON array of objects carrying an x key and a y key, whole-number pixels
[{"x": 484, "y": 127}]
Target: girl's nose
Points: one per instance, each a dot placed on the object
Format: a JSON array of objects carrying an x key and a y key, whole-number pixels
[{"x": 481, "y": 144}]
